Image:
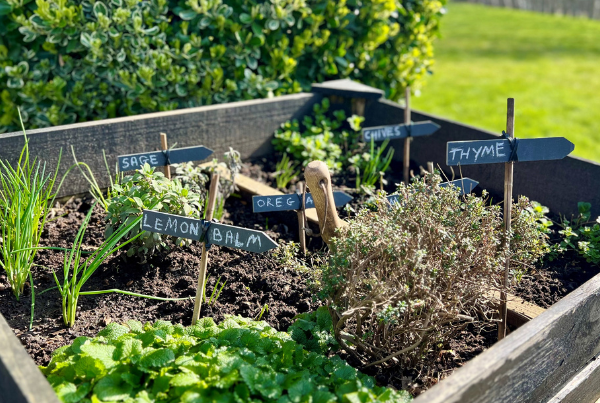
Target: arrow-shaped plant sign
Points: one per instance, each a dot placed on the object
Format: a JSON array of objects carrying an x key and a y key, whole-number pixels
[
  {"x": 214, "y": 233},
  {"x": 507, "y": 150},
  {"x": 132, "y": 162},
  {"x": 497, "y": 151},
  {"x": 418, "y": 129},
  {"x": 261, "y": 204},
  {"x": 465, "y": 186},
  {"x": 209, "y": 233},
  {"x": 404, "y": 131}
]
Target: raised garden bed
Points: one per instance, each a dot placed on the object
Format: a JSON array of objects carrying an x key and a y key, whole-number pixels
[{"x": 535, "y": 363}]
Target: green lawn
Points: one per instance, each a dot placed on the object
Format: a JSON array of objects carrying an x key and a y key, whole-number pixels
[{"x": 549, "y": 64}]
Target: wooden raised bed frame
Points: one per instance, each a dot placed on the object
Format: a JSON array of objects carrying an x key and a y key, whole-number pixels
[{"x": 551, "y": 358}]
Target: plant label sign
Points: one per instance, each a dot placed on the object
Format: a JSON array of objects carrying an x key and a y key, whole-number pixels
[
  {"x": 215, "y": 233},
  {"x": 381, "y": 133},
  {"x": 500, "y": 150},
  {"x": 465, "y": 186},
  {"x": 132, "y": 162},
  {"x": 261, "y": 204}
]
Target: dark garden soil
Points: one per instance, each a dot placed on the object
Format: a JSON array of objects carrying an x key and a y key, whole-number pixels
[{"x": 253, "y": 280}]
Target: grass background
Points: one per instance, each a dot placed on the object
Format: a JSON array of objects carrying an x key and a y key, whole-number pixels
[{"x": 549, "y": 64}]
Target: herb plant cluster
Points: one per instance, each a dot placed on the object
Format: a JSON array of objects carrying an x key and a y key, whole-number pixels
[
  {"x": 64, "y": 61},
  {"x": 26, "y": 196},
  {"x": 334, "y": 139},
  {"x": 238, "y": 360},
  {"x": 148, "y": 189},
  {"x": 579, "y": 234},
  {"x": 403, "y": 277}
]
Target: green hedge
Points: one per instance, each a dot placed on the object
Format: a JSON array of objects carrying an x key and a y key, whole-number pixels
[{"x": 65, "y": 61}]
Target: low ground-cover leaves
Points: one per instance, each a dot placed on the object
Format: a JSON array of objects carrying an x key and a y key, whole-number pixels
[{"x": 239, "y": 360}]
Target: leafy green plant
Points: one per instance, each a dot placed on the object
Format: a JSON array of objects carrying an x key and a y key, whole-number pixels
[
  {"x": 149, "y": 189},
  {"x": 197, "y": 177},
  {"x": 322, "y": 138},
  {"x": 580, "y": 234},
  {"x": 239, "y": 360},
  {"x": 285, "y": 171},
  {"x": 401, "y": 279},
  {"x": 370, "y": 166},
  {"x": 314, "y": 330},
  {"x": 26, "y": 196},
  {"x": 66, "y": 62}
]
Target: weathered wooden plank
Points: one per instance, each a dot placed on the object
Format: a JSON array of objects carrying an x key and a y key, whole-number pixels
[
  {"x": 536, "y": 361},
  {"x": 519, "y": 310},
  {"x": 247, "y": 126},
  {"x": 20, "y": 379},
  {"x": 583, "y": 388}
]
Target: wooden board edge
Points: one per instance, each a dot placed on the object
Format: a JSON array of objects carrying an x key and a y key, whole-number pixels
[
  {"x": 584, "y": 387},
  {"x": 20, "y": 379}
]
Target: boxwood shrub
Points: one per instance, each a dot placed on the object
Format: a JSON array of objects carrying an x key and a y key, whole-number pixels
[{"x": 65, "y": 61}]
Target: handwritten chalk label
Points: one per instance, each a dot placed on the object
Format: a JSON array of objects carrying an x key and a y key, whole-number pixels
[
  {"x": 381, "y": 133},
  {"x": 465, "y": 186},
  {"x": 218, "y": 234},
  {"x": 261, "y": 204},
  {"x": 240, "y": 238},
  {"x": 498, "y": 151},
  {"x": 132, "y": 162}
]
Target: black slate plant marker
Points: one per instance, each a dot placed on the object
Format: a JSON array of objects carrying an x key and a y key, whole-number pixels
[
  {"x": 262, "y": 204},
  {"x": 216, "y": 234},
  {"x": 507, "y": 150},
  {"x": 132, "y": 162},
  {"x": 497, "y": 151},
  {"x": 381, "y": 133},
  {"x": 208, "y": 232},
  {"x": 405, "y": 131}
]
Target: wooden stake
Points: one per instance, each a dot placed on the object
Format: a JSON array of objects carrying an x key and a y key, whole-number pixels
[
  {"x": 302, "y": 220},
  {"x": 212, "y": 198},
  {"x": 407, "y": 140},
  {"x": 430, "y": 167},
  {"x": 508, "y": 190},
  {"x": 164, "y": 147}
]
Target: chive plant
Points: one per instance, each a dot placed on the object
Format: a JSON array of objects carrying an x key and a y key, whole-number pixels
[
  {"x": 77, "y": 271},
  {"x": 26, "y": 195},
  {"x": 372, "y": 164}
]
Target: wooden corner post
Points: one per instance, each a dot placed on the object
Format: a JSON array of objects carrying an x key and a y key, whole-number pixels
[
  {"x": 508, "y": 190},
  {"x": 164, "y": 146},
  {"x": 212, "y": 198},
  {"x": 406, "y": 161}
]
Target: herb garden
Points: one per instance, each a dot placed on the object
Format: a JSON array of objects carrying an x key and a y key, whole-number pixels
[{"x": 320, "y": 246}]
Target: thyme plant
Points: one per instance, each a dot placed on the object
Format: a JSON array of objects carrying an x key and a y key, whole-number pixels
[{"x": 406, "y": 276}]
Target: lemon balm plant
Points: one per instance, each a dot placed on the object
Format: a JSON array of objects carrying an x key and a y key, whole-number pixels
[{"x": 148, "y": 189}]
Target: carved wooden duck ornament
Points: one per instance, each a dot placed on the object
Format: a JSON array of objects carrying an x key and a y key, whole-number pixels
[{"x": 318, "y": 180}]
